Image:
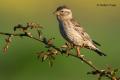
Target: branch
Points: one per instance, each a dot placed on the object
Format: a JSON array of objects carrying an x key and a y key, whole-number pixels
[{"x": 53, "y": 50}]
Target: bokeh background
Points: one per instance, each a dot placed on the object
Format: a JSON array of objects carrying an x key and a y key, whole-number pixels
[{"x": 20, "y": 62}]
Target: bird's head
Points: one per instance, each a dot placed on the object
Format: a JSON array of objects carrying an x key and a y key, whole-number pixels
[{"x": 63, "y": 12}]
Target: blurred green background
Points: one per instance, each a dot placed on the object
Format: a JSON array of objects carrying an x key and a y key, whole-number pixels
[{"x": 20, "y": 62}]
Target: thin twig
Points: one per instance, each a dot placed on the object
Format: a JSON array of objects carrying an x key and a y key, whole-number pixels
[
  {"x": 58, "y": 49},
  {"x": 89, "y": 63}
]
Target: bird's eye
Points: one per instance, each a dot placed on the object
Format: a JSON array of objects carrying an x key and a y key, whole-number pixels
[{"x": 62, "y": 11}]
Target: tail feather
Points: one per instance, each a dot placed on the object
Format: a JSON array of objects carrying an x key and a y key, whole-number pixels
[
  {"x": 99, "y": 52},
  {"x": 96, "y": 43}
]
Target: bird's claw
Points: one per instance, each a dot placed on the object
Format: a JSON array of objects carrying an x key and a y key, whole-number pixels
[{"x": 80, "y": 56}]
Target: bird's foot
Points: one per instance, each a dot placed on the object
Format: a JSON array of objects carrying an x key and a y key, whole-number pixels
[{"x": 79, "y": 55}]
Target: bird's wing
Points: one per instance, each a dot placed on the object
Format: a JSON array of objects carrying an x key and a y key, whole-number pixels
[
  {"x": 82, "y": 32},
  {"x": 95, "y": 42}
]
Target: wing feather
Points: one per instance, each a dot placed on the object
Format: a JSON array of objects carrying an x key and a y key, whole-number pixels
[{"x": 80, "y": 30}]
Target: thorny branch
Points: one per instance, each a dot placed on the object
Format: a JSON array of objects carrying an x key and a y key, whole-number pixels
[{"x": 54, "y": 50}]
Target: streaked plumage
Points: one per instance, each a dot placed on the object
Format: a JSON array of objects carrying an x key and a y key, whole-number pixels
[{"x": 73, "y": 32}]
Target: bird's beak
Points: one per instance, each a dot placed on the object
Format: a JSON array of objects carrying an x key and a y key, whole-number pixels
[{"x": 56, "y": 13}]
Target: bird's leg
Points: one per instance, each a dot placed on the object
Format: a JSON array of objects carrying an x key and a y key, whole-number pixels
[{"x": 78, "y": 52}]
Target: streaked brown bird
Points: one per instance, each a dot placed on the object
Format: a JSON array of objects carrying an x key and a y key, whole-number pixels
[{"x": 71, "y": 30}]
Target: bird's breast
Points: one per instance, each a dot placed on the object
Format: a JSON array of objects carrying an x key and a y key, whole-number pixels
[{"x": 68, "y": 32}]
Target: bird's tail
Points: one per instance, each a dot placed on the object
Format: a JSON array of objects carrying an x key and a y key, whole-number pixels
[
  {"x": 96, "y": 43},
  {"x": 99, "y": 52}
]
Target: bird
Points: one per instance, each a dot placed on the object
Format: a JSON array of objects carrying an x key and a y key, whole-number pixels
[{"x": 73, "y": 32}]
